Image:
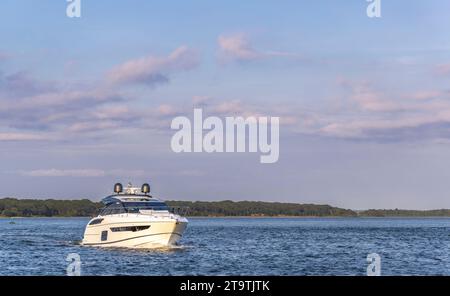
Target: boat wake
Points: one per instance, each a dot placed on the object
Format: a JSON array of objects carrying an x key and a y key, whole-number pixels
[{"x": 153, "y": 249}]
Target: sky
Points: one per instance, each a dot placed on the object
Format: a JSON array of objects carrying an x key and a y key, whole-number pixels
[{"x": 364, "y": 103}]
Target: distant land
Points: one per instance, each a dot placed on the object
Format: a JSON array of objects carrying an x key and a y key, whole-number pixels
[{"x": 11, "y": 207}]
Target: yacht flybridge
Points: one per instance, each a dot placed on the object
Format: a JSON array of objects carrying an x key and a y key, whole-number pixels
[{"x": 132, "y": 218}]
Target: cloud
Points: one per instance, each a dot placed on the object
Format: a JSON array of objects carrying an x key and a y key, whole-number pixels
[
  {"x": 56, "y": 110},
  {"x": 62, "y": 100},
  {"x": 426, "y": 95},
  {"x": 81, "y": 173},
  {"x": 382, "y": 116},
  {"x": 153, "y": 70},
  {"x": 166, "y": 110},
  {"x": 36, "y": 110},
  {"x": 229, "y": 107},
  {"x": 90, "y": 126},
  {"x": 115, "y": 112},
  {"x": 237, "y": 47},
  {"x": 222, "y": 109},
  {"x": 20, "y": 137},
  {"x": 405, "y": 128},
  {"x": 30, "y": 105},
  {"x": 371, "y": 100},
  {"x": 115, "y": 118},
  {"x": 21, "y": 84}
]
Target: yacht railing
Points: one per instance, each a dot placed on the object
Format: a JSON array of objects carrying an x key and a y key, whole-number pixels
[
  {"x": 149, "y": 210},
  {"x": 182, "y": 211}
]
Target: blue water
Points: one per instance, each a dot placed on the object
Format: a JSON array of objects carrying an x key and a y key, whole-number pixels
[{"x": 238, "y": 246}]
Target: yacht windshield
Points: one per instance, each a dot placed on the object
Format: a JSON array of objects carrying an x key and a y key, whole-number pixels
[
  {"x": 135, "y": 207},
  {"x": 111, "y": 209}
]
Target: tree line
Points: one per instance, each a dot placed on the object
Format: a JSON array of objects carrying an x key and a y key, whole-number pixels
[
  {"x": 406, "y": 213},
  {"x": 11, "y": 207},
  {"x": 258, "y": 208}
]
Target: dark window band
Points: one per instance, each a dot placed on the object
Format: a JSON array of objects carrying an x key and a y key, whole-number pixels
[
  {"x": 96, "y": 221},
  {"x": 130, "y": 228}
]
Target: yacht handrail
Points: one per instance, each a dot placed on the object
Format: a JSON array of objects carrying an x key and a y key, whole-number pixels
[{"x": 152, "y": 209}]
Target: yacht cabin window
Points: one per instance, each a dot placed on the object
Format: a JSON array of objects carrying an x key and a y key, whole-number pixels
[{"x": 133, "y": 207}]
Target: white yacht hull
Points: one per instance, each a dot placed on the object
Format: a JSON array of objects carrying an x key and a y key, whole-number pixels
[{"x": 135, "y": 231}]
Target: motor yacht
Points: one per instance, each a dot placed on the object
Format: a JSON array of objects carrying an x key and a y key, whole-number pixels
[{"x": 132, "y": 218}]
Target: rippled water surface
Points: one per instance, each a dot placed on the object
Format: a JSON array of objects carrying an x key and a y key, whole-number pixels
[{"x": 238, "y": 246}]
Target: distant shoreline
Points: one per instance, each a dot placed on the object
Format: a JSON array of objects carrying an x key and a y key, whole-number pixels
[
  {"x": 38, "y": 208},
  {"x": 251, "y": 217}
]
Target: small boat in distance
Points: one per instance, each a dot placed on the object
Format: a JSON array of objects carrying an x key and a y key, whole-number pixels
[{"x": 134, "y": 219}]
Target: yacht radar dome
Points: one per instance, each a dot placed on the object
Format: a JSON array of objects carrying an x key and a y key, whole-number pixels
[
  {"x": 118, "y": 188},
  {"x": 145, "y": 188}
]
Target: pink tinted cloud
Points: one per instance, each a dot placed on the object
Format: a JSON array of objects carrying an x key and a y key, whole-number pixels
[
  {"x": 152, "y": 70},
  {"x": 237, "y": 47},
  {"x": 166, "y": 110},
  {"x": 21, "y": 137}
]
